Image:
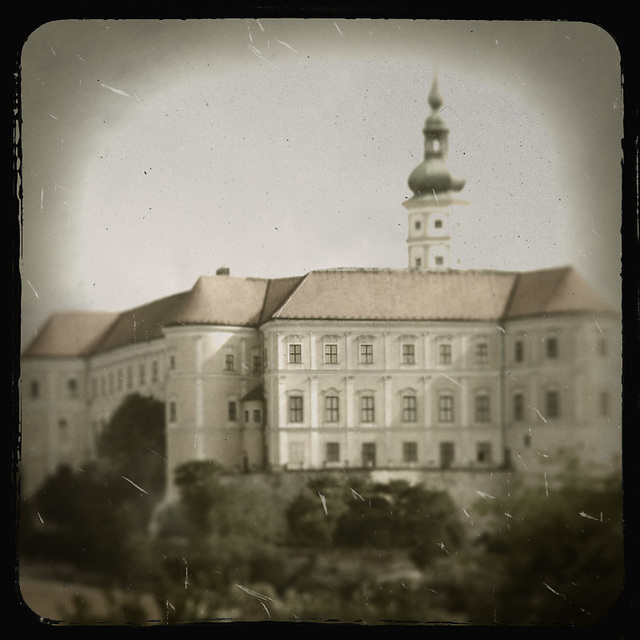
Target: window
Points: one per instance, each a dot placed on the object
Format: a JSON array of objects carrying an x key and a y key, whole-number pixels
[
  {"x": 482, "y": 353},
  {"x": 447, "y": 454},
  {"x": 410, "y": 452},
  {"x": 409, "y": 411},
  {"x": 110, "y": 382},
  {"x": 331, "y": 409},
  {"x": 296, "y": 453},
  {"x": 483, "y": 412},
  {"x": 73, "y": 388},
  {"x": 417, "y": 225},
  {"x": 142, "y": 374},
  {"x": 256, "y": 364},
  {"x": 408, "y": 354},
  {"x": 331, "y": 353},
  {"x": 518, "y": 407},
  {"x": 437, "y": 224},
  {"x": 439, "y": 260},
  {"x": 232, "y": 411},
  {"x": 366, "y": 353},
  {"x": 368, "y": 454},
  {"x": 444, "y": 353},
  {"x": 246, "y": 415},
  {"x": 484, "y": 452},
  {"x": 552, "y": 404},
  {"x": 154, "y": 371},
  {"x": 603, "y": 404},
  {"x": 35, "y": 389},
  {"x": 229, "y": 362},
  {"x": 518, "y": 351},
  {"x": 257, "y": 417},
  {"x": 418, "y": 262},
  {"x": 129, "y": 377},
  {"x": 445, "y": 408},
  {"x": 602, "y": 347},
  {"x": 172, "y": 362},
  {"x": 173, "y": 411},
  {"x": 295, "y": 409},
  {"x": 552, "y": 348},
  {"x": 295, "y": 353},
  {"x": 367, "y": 409},
  {"x": 332, "y": 452},
  {"x": 119, "y": 380}
]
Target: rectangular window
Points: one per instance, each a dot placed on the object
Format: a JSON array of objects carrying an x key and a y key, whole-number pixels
[
  {"x": 172, "y": 362},
  {"x": 445, "y": 408},
  {"x": 410, "y": 452},
  {"x": 295, "y": 409},
  {"x": 295, "y": 353},
  {"x": 482, "y": 353},
  {"x": 173, "y": 412},
  {"x": 333, "y": 452},
  {"x": 129, "y": 377},
  {"x": 331, "y": 354},
  {"x": 483, "y": 410},
  {"x": 444, "y": 354},
  {"x": 447, "y": 454},
  {"x": 409, "y": 409},
  {"x": 552, "y": 348},
  {"x": 229, "y": 362},
  {"x": 368, "y": 454},
  {"x": 439, "y": 260},
  {"x": 257, "y": 415},
  {"x": 154, "y": 371},
  {"x": 366, "y": 353},
  {"x": 367, "y": 413},
  {"x": 518, "y": 407},
  {"x": 331, "y": 409},
  {"x": 519, "y": 351},
  {"x": 142, "y": 374},
  {"x": 256, "y": 364},
  {"x": 35, "y": 389},
  {"x": 437, "y": 224},
  {"x": 408, "y": 354},
  {"x": 232, "y": 411},
  {"x": 73, "y": 388},
  {"x": 552, "y": 404},
  {"x": 484, "y": 452}
]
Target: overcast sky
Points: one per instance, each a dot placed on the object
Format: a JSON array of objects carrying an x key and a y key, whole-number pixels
[{"x": 157, "y": 151}]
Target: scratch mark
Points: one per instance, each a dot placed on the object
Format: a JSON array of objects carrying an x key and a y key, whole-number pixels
[
  {"x": 586, "y": 515},
  {"x": 34, "y": 291},
  {"x": 261, "y": 27},
  {"x": 485, "y": 495},
  {"x": 152, "y": 451},
  {"x": 118, "y": 91},
  {"x": 442, "y": 547},
  {"x": 501, "y": 328},
  {"x": 133, "y": 483},
  {"x": 597, "y": 325},
  {"x": 543, "y": 418},
  {"x": 508, "y": 515},
  {"x": 357, "y": 495},
  {"x": 324, "y": 503},
  {"x": 546, "y": 486},
  {"x": 284, "y": 44},
  {"x": 435, "y": 195},
  {"x": 40, "y": 517},
  {"x": 338, "y": 28},
  {"x": 261, "y": 598},
  {"x": 449, "y": 378},
  {"x": 258, "y": 54}
]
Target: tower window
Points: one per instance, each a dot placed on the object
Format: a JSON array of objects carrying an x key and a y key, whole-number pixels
[
  {"x": 437, "y": 224},
  {"x": 519, "y": 351},
  {"x": 604, "y": 404},
  {"x": 418, "y": 262},
  {"x": 417, "y": 225},
  {"x": 35, "y": 389},
  {"x": 552, "y": 348},
  {"x": 173, "y": 412},
  {"x": 439, "y": 260},
  {"x": 518, "y": 407},
  {"x": 232, "y": 411}
]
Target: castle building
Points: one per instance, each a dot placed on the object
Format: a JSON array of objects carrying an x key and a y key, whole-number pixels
[{"x": 417, "y": 369}]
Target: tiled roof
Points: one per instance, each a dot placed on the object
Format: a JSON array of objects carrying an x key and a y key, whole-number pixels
[
  {"x": 341, "y": 294},
  {"x": 70, "y": 334}
]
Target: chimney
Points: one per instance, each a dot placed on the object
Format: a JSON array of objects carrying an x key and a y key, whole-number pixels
[{"x": 223, "y": 271}]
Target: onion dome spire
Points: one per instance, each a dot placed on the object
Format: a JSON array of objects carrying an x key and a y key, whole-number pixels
[{"x": 431, "y": 176}]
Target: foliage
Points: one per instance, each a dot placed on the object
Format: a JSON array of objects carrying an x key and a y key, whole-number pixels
[
  {"x": 549, "y": 555},
  {"x": 133, "y": 443}
]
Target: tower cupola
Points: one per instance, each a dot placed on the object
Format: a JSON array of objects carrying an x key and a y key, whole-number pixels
[{"x": 433, "y": 199}]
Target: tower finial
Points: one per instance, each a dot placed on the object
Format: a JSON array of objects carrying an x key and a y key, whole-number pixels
[{"x": 435, "y": 97}]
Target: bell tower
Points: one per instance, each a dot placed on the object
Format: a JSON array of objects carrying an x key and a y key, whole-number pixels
[{"x": 433, "y": 198}]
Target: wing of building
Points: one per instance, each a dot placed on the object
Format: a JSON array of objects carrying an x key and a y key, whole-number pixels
[{"x": 417, "y": 369}]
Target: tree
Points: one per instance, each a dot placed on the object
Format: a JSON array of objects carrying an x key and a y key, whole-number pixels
[{"x": 133, "y": 444}]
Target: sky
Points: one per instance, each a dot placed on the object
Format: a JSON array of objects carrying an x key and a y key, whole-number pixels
[{"x": 156, "y": 151}]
